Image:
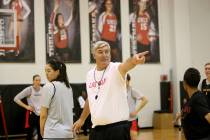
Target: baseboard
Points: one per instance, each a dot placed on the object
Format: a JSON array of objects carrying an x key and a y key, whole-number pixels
[
  {"x": 149, "y": 127},
  {"x": 14, "y": 136}
]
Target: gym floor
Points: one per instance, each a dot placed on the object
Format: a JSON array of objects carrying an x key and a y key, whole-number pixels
[
  {"x": 145, "y": 134},
  {"x": 153, "y": 134}
]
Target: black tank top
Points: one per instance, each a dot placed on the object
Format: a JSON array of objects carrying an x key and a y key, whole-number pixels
[{"x": 206, "y": 90}]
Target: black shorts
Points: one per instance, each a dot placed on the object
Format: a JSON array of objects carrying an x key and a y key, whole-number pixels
[{"x": 114, "y": 131}]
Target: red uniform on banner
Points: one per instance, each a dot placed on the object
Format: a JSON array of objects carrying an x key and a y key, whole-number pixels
[
  {"x": 61, "y": 39},
  {"x": 109, "y": 27},
  {"x": 142, "y": 28}
]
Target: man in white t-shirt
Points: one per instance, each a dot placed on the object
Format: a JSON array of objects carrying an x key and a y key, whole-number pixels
[{"x": 107, "y": 96}]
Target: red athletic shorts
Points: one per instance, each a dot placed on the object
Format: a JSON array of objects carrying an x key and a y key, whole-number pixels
[{"x": 134, "y": 125}]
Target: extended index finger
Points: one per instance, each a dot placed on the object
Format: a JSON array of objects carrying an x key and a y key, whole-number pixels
[{"x": 144, "y": 53}]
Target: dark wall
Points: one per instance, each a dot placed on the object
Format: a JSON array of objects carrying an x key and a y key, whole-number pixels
[
  {"x": 15, "y": 115},
  {"x": 77, "y": 91}
]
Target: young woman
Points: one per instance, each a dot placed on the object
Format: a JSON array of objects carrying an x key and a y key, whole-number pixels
[
  {"x": 33, "y": 95},
  {"x": 107, "y": 26},
  {"x": 143, "y": 28},
  {"x": 134, "y": 108},
  {"x": 61, "y": 31},
  {"x": 56, "y": 117}
]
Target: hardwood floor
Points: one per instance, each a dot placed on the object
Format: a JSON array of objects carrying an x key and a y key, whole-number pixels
[
  {"x": 144, "y": 134},
  {"x": 161, "y": 134},
  {"x": 153, "y": 134}
]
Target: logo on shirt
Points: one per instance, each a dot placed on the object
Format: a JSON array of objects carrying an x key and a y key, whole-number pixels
[{"x": 94, "y": 84}]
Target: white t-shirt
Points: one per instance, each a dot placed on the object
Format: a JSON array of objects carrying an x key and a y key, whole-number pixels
[
  {"x": 111, "y": 105},
  {"x": 33, "y": 97},
  {"x": 60, "y": 110},
  {"x": 133, "y": 96}
]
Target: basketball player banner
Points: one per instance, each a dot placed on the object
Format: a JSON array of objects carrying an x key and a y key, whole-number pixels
[
  {"x": 105, "y": 24},
  {"x": 63, "y": 30},
  {"x": 17, "y": 31},
  {"x": 144, "y": 31}
]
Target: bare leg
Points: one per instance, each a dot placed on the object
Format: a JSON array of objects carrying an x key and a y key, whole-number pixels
[{"x": 133, "y": 135}]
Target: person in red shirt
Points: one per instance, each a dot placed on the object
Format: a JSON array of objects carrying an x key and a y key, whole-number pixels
[
  {"x": 61, "y": 33},
  {"x": 145, "y": 32},
  {"x": 107, "y": 26}
]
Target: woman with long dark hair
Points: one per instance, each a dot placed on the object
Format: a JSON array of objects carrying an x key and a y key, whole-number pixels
[{"x": 56, "y": 117}]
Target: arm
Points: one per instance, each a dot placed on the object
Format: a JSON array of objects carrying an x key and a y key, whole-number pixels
[
  {"x": 46, "y": 99},
  {"x": 43, "y": 118},
  {"x": 27, "y": 107},
  {"x": 207, "y": 117},
  {"x": 27, "y": 9},
  {"x": 71, "y": 6},
  {"x": 53, "y": 14},
  {"x": 101, "y": 21},
  {"x": 86, "y": 111},
  {"x": 132, "y": 18},
  {"x": 152, "y": 32},
  {"x": 143, "y": 102},
  {"x": 24, "y": 94},
  {"x": 131, "y": 62}
]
